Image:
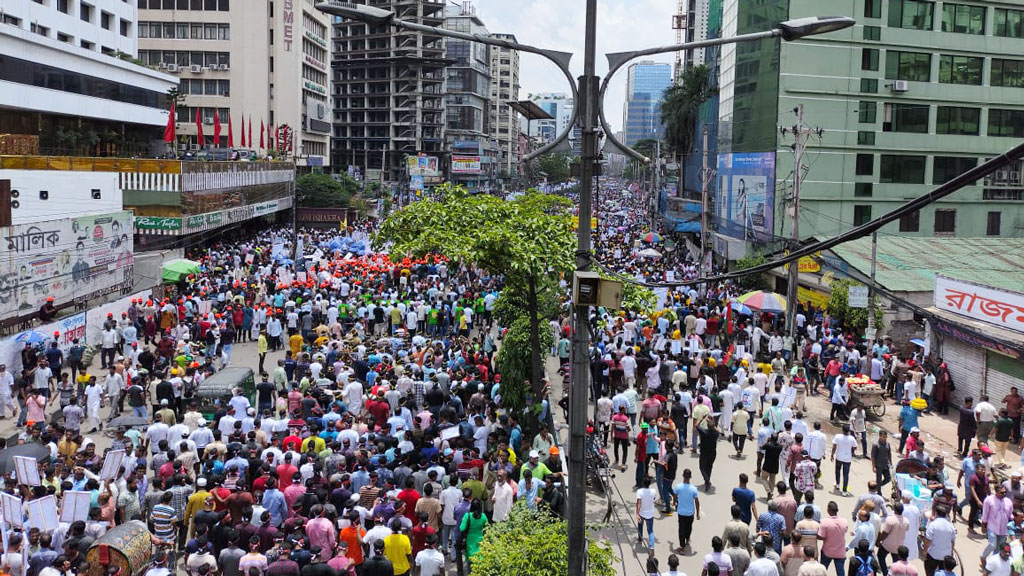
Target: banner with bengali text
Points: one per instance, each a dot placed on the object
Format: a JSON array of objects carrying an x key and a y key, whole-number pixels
[{"x": 1001, "y": 308}]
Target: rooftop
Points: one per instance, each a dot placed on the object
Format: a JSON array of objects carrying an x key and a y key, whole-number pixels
[{"x": 910, "y": 264}]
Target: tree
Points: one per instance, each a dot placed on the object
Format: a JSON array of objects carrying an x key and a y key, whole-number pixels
[
  {"x": 680, "y": 106},
  {"x": 323, "y": 191},
  {"x": 535, "y": 542},
  {"x": 555, "y": 165},
  {"x": 751, "y": 282},
  {"x": 527, "y": 240},
  {"x": 838, "y": 307}
]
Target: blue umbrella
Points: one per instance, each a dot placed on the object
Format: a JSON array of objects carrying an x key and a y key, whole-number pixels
[
  {"x": 740, "y": 308},
  {"x": 286, "y": 261},
  {"x": 31, "y": 337},
  {"x": 917, "y": 342}
]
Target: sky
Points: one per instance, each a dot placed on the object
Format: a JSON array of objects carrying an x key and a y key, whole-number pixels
[{"x": 622, "y": 25}]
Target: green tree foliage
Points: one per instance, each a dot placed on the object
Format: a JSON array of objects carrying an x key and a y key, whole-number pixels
[
  {"x": 838, "y": 307},
  {"x": 514, "y": 361},
  {"x": 752, "y": 281},
  {"x": 555, "y": 165},
  {"x": 646, "y": 146},
  {"x": 323, "y": 191},
  {"x": 534, "y": 543},
  {"x": 526, "y": 240},
  {"x": 680, "y": 107}
]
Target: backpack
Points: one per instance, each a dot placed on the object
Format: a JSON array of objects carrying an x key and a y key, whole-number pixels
[{"x": 866, "y": 567}]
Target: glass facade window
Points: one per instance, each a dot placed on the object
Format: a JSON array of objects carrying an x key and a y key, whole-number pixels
[
  {"x": 945, "y": 168},
  {"x": 958, "y": 120},
  {"x": 867, "y": 112},
  {"x": 945, "y": 221},
  {"x": 912, "y": 14},
  {"x": 869, "y": 59},
  {"x": 902, "y": 169},
  {"x": 869, "y": 85},
  {"x": 863, "y": 189},
  {"x": 1008, "y": 23},
  {"x": 906, "y": 118},
  {"x": 873, "y": 33},
  {"x": 960, "y": 69},
  {"x": 40, "y": 75},
  {"x": 1008, "y": 73},
  {"x": 865, "y": 164},
  {"x": 1006, "y": 123},
  {"x": 914, "y": 66},
  {"x": 866, "y": 138},
  {"x": 872, "y": 8},
  {"x": 963, "y": 19}
]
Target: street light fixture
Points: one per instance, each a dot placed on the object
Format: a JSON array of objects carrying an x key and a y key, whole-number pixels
[{"x": 590, "y": 113}]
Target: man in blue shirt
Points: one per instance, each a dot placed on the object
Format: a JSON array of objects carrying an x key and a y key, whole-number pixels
[
  {"x": 687, "y": 507},
  {"x": 744, "y": 498},
  {"x": 273, "y": 502},
  {"x": 908, "y": 421}
]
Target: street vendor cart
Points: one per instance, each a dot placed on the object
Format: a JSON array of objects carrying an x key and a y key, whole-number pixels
[
  {"x": 865, "y": 392},
  {"x": 128, "y": 546}
]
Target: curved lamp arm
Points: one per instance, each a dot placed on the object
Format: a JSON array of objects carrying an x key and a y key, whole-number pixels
[{"x": 374, "y": 15}]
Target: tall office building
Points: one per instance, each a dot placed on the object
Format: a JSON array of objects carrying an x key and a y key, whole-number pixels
[
  {"x": 691, "y": 25},
  {"x": 68, "y": 84},
  {"x": 468, "y": 132},
  {"x": 559, "y": 106},
  {"x": 505, "y": 89},
  {"x": 646, "y": 82},
  {"x": 247, "y": 63},
  {"x": 388, "y": 90}
]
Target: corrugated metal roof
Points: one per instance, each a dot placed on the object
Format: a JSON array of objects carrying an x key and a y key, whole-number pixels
[{"x": 910, "y": 264}]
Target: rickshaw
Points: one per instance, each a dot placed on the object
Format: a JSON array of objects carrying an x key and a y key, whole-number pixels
[
  {"x": 944, "y": 495},
  {"x": 220, "y": 387}
]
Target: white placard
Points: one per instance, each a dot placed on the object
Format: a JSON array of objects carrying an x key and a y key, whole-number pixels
[
  {"x": 301, "y": 277},
  {"x": 27, "y": 470},
  {"x": 76, "y": 506},
  {"x": 111, "y": 464},
  {"x": 857, "y": 297},
  {"x": 11, "y": 509},
  {"x": 789, "y": 397},
  {"x": 450, "y": 433},
  {"x": 42, "y": 513}
]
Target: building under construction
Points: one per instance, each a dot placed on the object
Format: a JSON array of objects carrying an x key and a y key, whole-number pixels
[{"x": 388, "y": 90}]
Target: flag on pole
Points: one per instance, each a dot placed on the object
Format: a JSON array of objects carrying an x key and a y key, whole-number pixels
[
  {"x": 277, "y": 138},
  {"x": 250, "y": 131},
  {"x": 231, "y": 135},
  {"x": 216, "y": 128},
  {"x": 169, "y": 129},
  {"x": 261, "y": 133},
  {"x": 243, "y": 130},
  {"x": 199, "y": 130}
]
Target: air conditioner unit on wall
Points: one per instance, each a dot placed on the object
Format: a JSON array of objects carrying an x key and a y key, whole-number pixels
[
  {"x": 900, "y": 86},
  {"x": 172, "y": 67},
  {"x": 161, "y": 66},
  {"x": 196, "y": 69}
]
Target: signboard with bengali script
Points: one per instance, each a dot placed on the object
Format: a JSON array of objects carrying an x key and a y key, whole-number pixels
[{"x": 995, "y": 306}]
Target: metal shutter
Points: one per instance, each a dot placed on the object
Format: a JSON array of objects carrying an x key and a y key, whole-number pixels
[
  {"x": 1001, "y": 373},
  {"x": 967, "y": 365}
]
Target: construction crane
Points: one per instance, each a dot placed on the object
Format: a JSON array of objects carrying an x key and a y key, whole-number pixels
[{"x": 679, "y": 25}]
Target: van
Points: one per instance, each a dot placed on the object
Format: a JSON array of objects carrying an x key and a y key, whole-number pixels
[{"x": 220, "y": 387}]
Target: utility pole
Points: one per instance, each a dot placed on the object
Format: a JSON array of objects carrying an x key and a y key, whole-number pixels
[
  {"x": 705, "y": 173},
  {"x": 871, "y": 293},
  {"x": 576, "y": 508},
  {"x": 794, "y": 268}
]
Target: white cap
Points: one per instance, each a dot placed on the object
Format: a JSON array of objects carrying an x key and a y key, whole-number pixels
[
  {"x": 201, "y": 482},
  {"x": 534, "y": 454}
]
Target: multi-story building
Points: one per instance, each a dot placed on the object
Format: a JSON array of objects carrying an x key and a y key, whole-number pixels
[
  {"x": 691, "y": 25},
  {"x": 388, "y": 90},
  {"x": 246, "y": 67},
  {"x": 69, "y": 83},
  {"x": 505, "y": 89},
  {"x": 646, "y": 82},
  {"x": 915, "y": 94},
  {"x": 559, "y": 106},
  {"x": 468, "y": 104}
]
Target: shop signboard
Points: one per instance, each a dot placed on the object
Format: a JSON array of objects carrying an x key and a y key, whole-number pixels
[{"x": 1001, "y": 308}]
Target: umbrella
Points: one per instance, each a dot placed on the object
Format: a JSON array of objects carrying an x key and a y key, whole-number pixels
[
  {"x": 286, "y": 262},
  {"x": 32, "y": 450},
  {"x": 764, "y": 301},
  {"x": 127, "y": 422},
  {"x": 652, "y": 238},
  {"x": 173, "y": 271},
  {"x": 649, "y": 253},
  {"x": 740, "y": 308},
  {"x": 917, "y": 342},
  {"x": 31, "y": 337}
]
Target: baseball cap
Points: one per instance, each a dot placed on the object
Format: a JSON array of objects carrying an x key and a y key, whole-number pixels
[{"x": 534, "y": 454}]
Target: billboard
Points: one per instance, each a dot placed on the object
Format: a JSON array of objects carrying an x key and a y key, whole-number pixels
[
  {"x": 421, "y": 166},
  {"x": 68, "y": 259},
  {"x": 746, "y": 195},
  {"x": 465, "y": 164}
]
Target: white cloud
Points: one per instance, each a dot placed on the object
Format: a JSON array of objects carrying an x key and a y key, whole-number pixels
[{"x": 622, "y": 25}]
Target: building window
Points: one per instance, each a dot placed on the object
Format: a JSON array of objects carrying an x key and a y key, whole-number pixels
[
  {"x": 963, "y": 19},
  {"x": 861, "y": 214},
  {"x": 1007, "y": 73},
  {"x": 912, "y": 14},
  {"x": 869, "y": 85},
  {"x": 867, "y": 112},
  {"x": 945, "y": 168},
  {"x": 906, "y": 118},
  {"x": 957, "y": 120},
  {"x": 863, "y": 189},
  {"x": 1009, "y": 23},
  {"x": 873, "y": 33},
  {"x": 105, "y": 20},
  {"x": 872, "y": 8},
  {"x": 869, "y": 59},
  {"x": 910, "y": 222},
  {"x": 62, "y": 37},
  {"x": 62, "y": 6},
  {"x": 915, "y": 66},
  {"x": 865, "y": 164},
  {"x": 866, "y": 138},
  {"x": 125, "y": 27},
  {"x": 945, "y": 221},
  {"x": 960, "y": 70},
  {"x": 902, "y": 169},
  {"x": 1006, "y": 123},
  {"x": 994, "y": 224},
  {"x": 181, "y": 5},
  {"x": 85, "y": 12},
  {"x": 41, "y": 30}
]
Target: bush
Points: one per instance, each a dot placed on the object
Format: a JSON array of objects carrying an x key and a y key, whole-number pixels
[{"x": 535, "y": 543}]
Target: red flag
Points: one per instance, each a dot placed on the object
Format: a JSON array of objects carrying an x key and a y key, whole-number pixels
[
  {"x": 243, "y": 131},
  {"x": 216, "y": 128},
  {"x": 169, "y": 129},
  {"x": 199, "y": 130},
  {"x": 250, "y": 131},
  {"x": 231, "y": 135},
  {"x": 261, "y": 133}
]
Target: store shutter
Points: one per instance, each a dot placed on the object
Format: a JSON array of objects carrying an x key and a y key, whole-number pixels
[
  {"x": 1001, "y": 373},
  {"x": 966, "y": 363}
]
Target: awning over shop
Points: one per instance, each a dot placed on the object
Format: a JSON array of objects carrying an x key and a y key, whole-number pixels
[{"x": 982, "y": 334}]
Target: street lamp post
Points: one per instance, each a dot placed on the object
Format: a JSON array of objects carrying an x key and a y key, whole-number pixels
[{"x": 588, "y": 92}]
